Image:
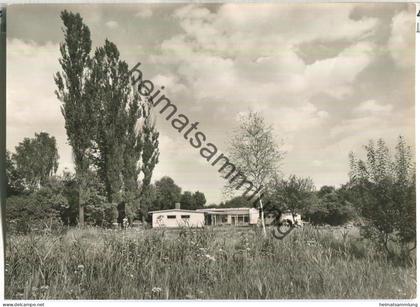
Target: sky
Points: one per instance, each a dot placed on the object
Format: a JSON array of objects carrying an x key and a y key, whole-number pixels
[{"x": 327, "y": 77}]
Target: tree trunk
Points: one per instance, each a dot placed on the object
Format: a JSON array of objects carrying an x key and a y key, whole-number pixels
[
  {"x": 262, "y": 216},
  {"x": 81, "y": 211},
  {"x": 81, "y": 215}
]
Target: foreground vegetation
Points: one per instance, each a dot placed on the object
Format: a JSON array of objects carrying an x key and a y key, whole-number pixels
[{"x": 225, "y": 263}]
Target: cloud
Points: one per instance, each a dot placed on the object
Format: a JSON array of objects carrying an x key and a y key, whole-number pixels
[
  {"x": 112, "y": 24},
  {"x": 322, "y": 74},
  {"x": 372, "y": 107},
  {"x": 306, "y": 116},
  {"x": 335, "y": 76},
  {"x": 402, "y": 40},
  {"x": 234, "y": 55},
  {"x": 31, "y": 103},
  {"x": 144, "y": 13}
]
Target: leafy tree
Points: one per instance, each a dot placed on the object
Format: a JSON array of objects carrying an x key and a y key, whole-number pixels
[
  {"x": 147, "y": 202},
  {"x": 325, "y": 190},
  {"x": 71, "y": 193},
  {"x": 36, "y": 159},
  {"x": 199, "y": 200},
  {"x": 107, "y": 123},
  {"x": 77, "y": 104},
  {"x": 294, "y": 194},
  {"x": 338, "y": 209},
  {"x": 150, "y": 153},
  {"x": 141, "y": 155},
  {"x": 167, "y": 194},
  {"x": 42, "y": 209},
  {"x": 255, "y": 153},
  {"x": 236, "y": 202},
  {"x": 123, "y": 149},
  {"x": 109, "y": 80},
  {"x": 15, "y": 183},
  {"x": 384, "y": 190},
  {"x": 187, "y": 201}
]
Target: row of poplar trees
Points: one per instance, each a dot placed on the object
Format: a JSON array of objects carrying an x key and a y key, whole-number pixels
[{"x": 108, "y": 124}]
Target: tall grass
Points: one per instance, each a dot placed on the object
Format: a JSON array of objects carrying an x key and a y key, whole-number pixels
[{"x": 200, "y": 264}]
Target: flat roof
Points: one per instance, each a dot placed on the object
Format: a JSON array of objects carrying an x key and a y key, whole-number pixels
[
  {"x": 208, "y": 210},
  {"x": 220, "y": 211},
  {"x": 175, "y": 210},
  {"x": 224, "y": 209}
]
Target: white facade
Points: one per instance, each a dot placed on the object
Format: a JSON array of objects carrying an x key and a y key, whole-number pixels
[
  {"x": 231, "y": 216},
  {"x": 174, "y": 218}
]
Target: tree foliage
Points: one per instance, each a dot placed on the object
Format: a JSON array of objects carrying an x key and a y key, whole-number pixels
[
  {"x": 254, "y": 151},
  {"x": 34, "y": 161},
  {"x": 78, "y": 106},
  {"x": 384, "y": 188},
  {"x": 107, "y": 123},
  {"x": 15, "y": 183},
  {"x": 294, "y": 194},
  {"x": 110, "y": 82},
  {"x": 40, "y": 210},
  {"x": 192, "y": 201},
  {"x": 167, "y": 194},
  {"x": 331, "y": 207}
]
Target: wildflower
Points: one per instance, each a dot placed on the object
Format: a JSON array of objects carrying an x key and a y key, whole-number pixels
[
  {"x": 202, "y": 249},
  {"x": 156, "y": 290},
  {"x": 131, "y": 276},
  {"x": 80, "y": 267},
  {"x": 190, "y": 297},
  {"x": 210, "y": 257},
  {"x": 44, "y": 288}
]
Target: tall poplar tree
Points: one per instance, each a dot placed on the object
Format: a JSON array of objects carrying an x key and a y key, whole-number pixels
[
  {"x": 77, "y": 106},
  {"x": 110, "y": 81},
  {"x": 108, "y": 124}
]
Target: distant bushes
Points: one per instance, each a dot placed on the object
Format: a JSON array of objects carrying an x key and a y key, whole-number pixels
[
  {"x": 55, "y": 205},
  {"x": 331, "y": 206}
]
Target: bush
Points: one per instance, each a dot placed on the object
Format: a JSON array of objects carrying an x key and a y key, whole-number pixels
[
  {"x": 102, "y": 214},
  {"x": 34, "y": 212}
]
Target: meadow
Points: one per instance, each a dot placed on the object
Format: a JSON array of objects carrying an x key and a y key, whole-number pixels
[{"x": 211, "y": 263}]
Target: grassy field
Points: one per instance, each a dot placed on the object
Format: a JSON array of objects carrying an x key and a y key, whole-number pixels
[{"x": 225, "y": 263}]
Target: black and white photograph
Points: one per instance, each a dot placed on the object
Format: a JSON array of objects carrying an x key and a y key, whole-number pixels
[{"x": 209, "y": 151}]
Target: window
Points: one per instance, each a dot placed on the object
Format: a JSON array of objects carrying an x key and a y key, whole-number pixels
[
  {"x": 185, "y": 217},
  {"x": 171, "y": 217},
  {"x": 246, "y": 219}
]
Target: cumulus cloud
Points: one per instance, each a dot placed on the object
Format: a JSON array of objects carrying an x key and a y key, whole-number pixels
[
  {"x": 372, "y": 107},
  {"x": 235, "y": 55},
  {"x": 112, "y": 24},
  {"x": 402, "y": 41},
  {"x": 321, "y": 74},
  {"x": 144, "y": 13},
  {"x": 31, "y": 103}
]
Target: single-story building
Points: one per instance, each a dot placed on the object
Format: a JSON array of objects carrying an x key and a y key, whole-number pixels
[
  {"x": 173, "y": 218},
  {"x": 230, "y": 216},
  {"x": 177, "y": 217}
]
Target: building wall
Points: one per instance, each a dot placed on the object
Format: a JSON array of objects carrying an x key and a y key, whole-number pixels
[
  {"x": 165, "y": 219},
  {"x": 253, "y": 216}
]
